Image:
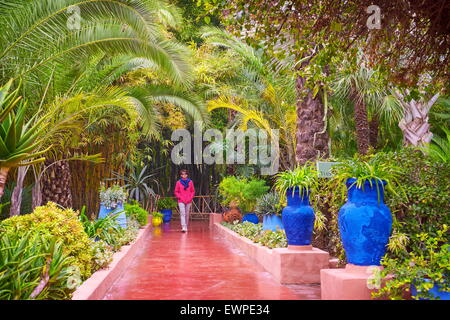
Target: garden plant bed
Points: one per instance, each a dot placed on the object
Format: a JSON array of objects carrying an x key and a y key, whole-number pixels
[
  {"x": 286, "y": 265},
  {"x": 99, "y": 283}
]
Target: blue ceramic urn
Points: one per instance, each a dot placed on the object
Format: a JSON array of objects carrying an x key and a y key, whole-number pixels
[
  {"x": 250, "y": 217},
  {"x": 365, "y": 223},
  {"x": 298, "y": 218},
  {"x": 121, "y": 218},
  {"x": 167, "y": 215},
  {"x": 272, "y": 222}
]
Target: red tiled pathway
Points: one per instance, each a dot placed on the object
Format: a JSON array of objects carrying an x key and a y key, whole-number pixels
[{"x": 199, "y": 265}]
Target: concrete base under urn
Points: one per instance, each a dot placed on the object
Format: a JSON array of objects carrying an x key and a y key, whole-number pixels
[{"x": 349, "y": 283}]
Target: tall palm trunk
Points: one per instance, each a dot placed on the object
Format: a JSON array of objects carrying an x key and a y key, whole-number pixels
[
  {"x": 56, "y": 183},
  {"x": 414, "y": 124},
  {"x": 374, "y": 125},
  {"x": 311, "y": 142},
  {"x": 361, "y": 123}
]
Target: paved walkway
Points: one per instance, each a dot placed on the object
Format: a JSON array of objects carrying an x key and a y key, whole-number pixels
[{"x": 199, "y": 265}]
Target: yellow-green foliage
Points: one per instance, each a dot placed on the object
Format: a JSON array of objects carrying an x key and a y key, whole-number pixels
[{"x": 61, "y": 223}]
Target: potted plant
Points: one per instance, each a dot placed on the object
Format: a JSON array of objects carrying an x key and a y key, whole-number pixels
[
  {"x": 365, "y": 222},
  {"x": 424, "y": 270},
  {"x": 298, "y": 216},
  {"x": 243, "y": 193},
  {"x": 270, "y": 208},
  {"x": 165, "y": 206},
  {"x": 111, "y": 203},
  {"x": 157, "y": 218}
]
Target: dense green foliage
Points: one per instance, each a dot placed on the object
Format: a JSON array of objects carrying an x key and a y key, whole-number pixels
[
  {"x": 242, "y": 192},
  {"x": 34, "y": 266},
  {"x": 426, "y": 266},
  {"x": 136, "y": 212},
  {"x": 63, "y": 224},
  {"x": 267, "y": 238},
  {"x": 166, "y": 203},
  {"x": 47, "y": 254}
]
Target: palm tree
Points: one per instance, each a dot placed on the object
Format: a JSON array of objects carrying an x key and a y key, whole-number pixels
[
  {"x": 37, "y": 37},
  {"x": 262, "y": 97},
  {"x": 51, "y": 58},
  {"x": 371, "y": 100}
]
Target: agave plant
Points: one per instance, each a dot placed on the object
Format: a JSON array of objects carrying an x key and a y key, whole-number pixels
[
  {"x": 268, "y": 204},
  {"x": 136, "y": 183},
  {"x": 20, "y": 140}
]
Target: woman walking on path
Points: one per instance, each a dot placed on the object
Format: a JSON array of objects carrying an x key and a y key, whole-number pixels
[{"x": 184, "y": 191}]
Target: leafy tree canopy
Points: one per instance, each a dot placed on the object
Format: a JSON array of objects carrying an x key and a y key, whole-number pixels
[{"x": 408, "y": 41}]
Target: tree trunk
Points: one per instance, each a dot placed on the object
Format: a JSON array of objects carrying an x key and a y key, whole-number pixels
[
  {"x": 3, "y": 176},
  {"x": 16, "y": 197},
  {"x": 373, "y": 128},
  {"x": 312, "y": 139},
  {"x": 56, "y": 183},
  {"x": 36, "y": 195},
  {"x": 361, "y": 123},
  {"x": 414, "y": 124}
]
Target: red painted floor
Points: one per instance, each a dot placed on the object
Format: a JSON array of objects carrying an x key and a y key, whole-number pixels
[{"x": 199, "y": 265}]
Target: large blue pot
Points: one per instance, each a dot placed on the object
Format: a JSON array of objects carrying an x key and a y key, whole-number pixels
[
  {"x": 167, "y": 214},
  {"x": 298, "y": 218},
  {"x": 272, "y": 222},
  {"x": 121, "y": 218},
  {"x": 435, "y": 291},
  {"x": 250, "y": 217},
  {"x": 365, "y": 224}
]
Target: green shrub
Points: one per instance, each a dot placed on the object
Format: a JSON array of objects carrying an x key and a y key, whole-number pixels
[
  {"x": 424, "y": 268},
  {"x": 99, "y": 228},
  {"x": 34, "y": 266},
  {"x": 166, "y": 203},
  {"x": 254, "y": 232},
  {"x": 242, "y": 192},
  {"x": 102, "y": 254},
  {"x": 63, "y": 224},
  {"x": 135, "y": 211}
]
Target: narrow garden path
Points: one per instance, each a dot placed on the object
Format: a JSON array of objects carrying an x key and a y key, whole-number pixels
[{"x": 199, "y": 265}]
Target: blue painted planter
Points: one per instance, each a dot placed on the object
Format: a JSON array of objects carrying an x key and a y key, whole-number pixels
[
  {"x": 121, "y": 218},
  {"x": 435, "y": 291},
  {"x": 272, "y": 222},
  {"x": 298, "y": 218},
  {"x": 250, "y": 217},
  {"x": 167, "y": 214},
  {"x": 365, "y": 224}
]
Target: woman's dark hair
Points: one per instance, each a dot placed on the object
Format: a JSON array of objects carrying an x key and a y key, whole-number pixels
[{"x": 183, "y": 171}]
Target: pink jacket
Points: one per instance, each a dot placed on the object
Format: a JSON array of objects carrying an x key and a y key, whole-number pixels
[{"x": 182, "y": 195}]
